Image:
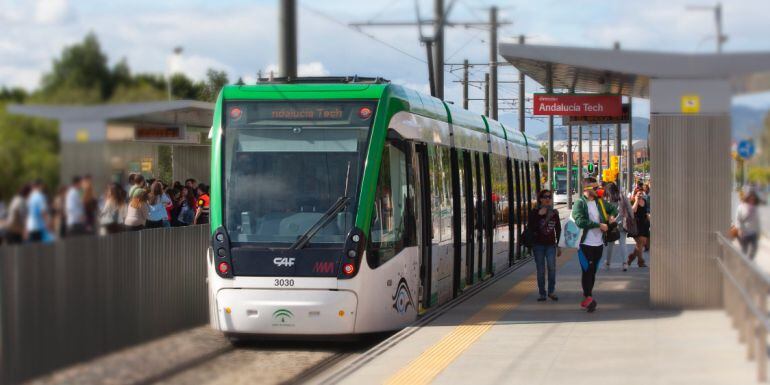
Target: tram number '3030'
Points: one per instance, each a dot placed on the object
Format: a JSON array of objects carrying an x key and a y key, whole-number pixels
[{"x": 283, "y": 283}]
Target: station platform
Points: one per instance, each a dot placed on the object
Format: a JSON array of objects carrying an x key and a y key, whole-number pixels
[{"x": 502, "y": 335}]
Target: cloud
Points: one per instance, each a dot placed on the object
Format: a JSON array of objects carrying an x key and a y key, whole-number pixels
[
  {"x": 315, "y": 68},
  {"x": 52, "y": 11},
  {"x": 195, "y": 66}
]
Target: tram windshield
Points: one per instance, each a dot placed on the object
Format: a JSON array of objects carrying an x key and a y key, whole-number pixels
[{"x": 288, "y": 163}]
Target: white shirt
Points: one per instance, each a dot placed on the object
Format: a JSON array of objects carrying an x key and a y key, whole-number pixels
[
  {"x": 747, "y": 219},
  {"x": 594, "y": 236},
  {"x": 73, "y": 207}
]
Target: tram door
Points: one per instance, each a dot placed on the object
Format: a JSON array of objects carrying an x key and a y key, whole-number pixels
[
  {"x": 519, "y": 217},
  {"x": 478, "y": 213},
  {"x": 469, "y": 218},
  {"x": 426, "y": 230}
]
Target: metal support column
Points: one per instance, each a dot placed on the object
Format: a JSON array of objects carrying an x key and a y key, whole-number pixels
[
  {"x": 580, "y": 161},
  {"x": 287, "y": 45},
  {"x": 465, "y": 83},
  {"x": 601, "y": 156},
  {"x": 493, "y": 61},
  {"x": 486, "y": 94},
  {"x": 630, "y": 156},
  {"x": 522, "y": 94},
  {"x": 549, "y": 89},
  {"x": 438, "y": 51},
  {"x": 591, "y": 145},
  {"x": 569, "y": 167}
]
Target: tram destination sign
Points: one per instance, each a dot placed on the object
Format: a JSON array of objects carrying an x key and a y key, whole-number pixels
[
  {"x": 588, "y": 120},
  {"x": 578, "y": 105},
  {"x": 293, "y": 113}
]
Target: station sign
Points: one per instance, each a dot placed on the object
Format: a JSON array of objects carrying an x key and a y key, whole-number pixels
[
  {"x": 578, "y": 105},
  {"x": 624, "y": 118},
  {"x": 150, "y": 131}
]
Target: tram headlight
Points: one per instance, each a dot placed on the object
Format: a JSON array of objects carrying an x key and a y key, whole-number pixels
[
  {"x": 220, "y": 237},
  {"x": 221, "y": 252},
  {"x": 352, "y": 253},
  {"x": 348, "y": 269}
]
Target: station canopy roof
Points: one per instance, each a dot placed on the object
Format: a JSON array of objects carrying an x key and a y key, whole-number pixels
[
  {"x": 629, "y": 72},
  {"x": 191, "y": 112}
]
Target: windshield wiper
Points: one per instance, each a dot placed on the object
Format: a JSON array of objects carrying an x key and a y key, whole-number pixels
[{"x": 303, "y": 239}]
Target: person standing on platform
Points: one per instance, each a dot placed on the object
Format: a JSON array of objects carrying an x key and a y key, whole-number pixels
[
  {"x": 74, "y": 209},
  {"x": 138, "y": 211},
  {"x": 202, "y": 214},
  {"x": 625, "y": 220},
  {"x": 17, "y": 216},
  {"x": 747, "y": 223},
  {"x": 642, "y": 236},
  {"x": 546, "y": 225},
  {"x": 592, "y": 215},
  {"x": 37, "y": 213}
]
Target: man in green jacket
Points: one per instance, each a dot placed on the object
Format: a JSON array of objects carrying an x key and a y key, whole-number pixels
[{"x": 591, "y": 214}]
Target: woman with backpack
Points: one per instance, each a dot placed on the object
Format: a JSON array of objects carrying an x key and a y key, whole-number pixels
[
  {"x": 187, "y": 208},
  {"x": 625, "y": 220},
  {"x": 544, "y": 226}
]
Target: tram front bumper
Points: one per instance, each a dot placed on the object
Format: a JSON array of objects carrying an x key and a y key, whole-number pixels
[{"x": 286, "y": 311}]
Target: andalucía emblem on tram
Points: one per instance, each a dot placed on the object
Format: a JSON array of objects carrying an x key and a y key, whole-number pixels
[{"x": 402, "y": 298}]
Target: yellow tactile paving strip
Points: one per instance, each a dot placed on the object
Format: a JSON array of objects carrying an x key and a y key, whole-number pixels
[{"x": 436, "y": 358}]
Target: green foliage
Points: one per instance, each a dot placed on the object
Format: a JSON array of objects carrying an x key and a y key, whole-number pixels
[
  {"x": 81, "y": 66},
  {"x": 165, "y": 164},
  {"x": 29, "y": 149},
  {"x": 758, "y": 175},
  {"x": 14, "y": 95},
  {"x": 215, "y": 80},
  {"x": 764, "y": 144},
  {"x": 642, "y": 167}
]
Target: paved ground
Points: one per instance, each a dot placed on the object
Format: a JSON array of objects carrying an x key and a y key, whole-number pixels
[{"x": 503, "y": 336}]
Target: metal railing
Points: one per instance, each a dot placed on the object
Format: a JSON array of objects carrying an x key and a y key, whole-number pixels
[
  {"x": 745, "y": 290},
  {"x": 81, "y": 297}
]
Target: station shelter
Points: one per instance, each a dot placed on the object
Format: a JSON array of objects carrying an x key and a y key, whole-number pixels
[
  {"x": 690, "y": 98},
  {"x": 166, "y": 140}
]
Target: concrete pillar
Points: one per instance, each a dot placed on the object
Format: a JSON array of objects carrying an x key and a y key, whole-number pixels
[{"x": 690, "y": 191}]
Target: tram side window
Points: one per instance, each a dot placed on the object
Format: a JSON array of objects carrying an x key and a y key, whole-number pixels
[
  {"x": 389, "y": 222},
  {"x": 499, "y": 190},
  {"x": 441, "y": 192}
]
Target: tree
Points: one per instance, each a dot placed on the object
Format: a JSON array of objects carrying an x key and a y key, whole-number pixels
[
  {"x": 29, "y": 150},
  {"x": 215, "y": 80},
  {"x": 82, "y": 66}
]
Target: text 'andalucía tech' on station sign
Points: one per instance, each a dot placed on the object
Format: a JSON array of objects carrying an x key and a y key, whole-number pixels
[{"x": 578, "y": 105}]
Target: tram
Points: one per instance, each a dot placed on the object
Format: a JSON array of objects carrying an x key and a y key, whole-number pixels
[
  {"x": 343, "y": 206},
  {"x": 559, "y": 187}
]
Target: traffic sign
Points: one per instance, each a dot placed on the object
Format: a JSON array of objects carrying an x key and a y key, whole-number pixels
[
  {"x": 746, "y": 149},
  {"x": 590, "y": 167}
]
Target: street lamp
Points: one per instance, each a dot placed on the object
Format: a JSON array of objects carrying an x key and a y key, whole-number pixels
[
  {"x": 717, "y": 9},
  {"x": 177, "y": 52}
]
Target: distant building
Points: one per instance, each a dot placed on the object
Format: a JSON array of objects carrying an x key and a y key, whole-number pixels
[
  {"x": 109, "y": 141},
  {"x": 640, "y": 151}
]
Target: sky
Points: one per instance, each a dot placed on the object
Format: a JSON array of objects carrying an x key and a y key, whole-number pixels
[{"x": 240, "y": 37}]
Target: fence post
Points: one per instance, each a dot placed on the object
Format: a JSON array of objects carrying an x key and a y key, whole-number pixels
[{"x": 762, "y": 334}]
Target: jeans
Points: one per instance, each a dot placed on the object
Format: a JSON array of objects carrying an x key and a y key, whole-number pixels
[
  {"x": 610, "y": 249},
  {"x": 545, "y": 255},
  {"x": 749, "y": 245}
]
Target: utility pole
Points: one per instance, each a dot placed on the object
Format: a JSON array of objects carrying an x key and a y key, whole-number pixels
[
  {"x": 493, "y": 60},
  {"x": 434, "y": 44},
  {"x": 717, "y": 9},
  {"x": 486, "y": 94},
  {"x": 608, "y": 146},
  {"x": 591, "y": 145},
  {"x": 438, "y": 54},
  {"x": 431, "y": 69},
  {"x": 465, "y": 83},
  {"x": 287, "y": 44},
  {"x": 522, "y": 94}
]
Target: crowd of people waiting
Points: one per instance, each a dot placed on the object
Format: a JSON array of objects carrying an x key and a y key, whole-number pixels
[{"x": 76, "y": 210}]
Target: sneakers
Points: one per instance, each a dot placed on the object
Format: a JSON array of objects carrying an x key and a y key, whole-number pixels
[
  {"x": 541, "y": 298},
  {"x": 553, "y": 297},
  {"x": 607, "y": 266},
  {"x": 625, "y": 266},
  {"x": 591, "y": 306},
  {"x": 586, "y": 302}
]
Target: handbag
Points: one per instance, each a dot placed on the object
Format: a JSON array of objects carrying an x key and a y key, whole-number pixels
[{"x": 613, "y": 233}]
